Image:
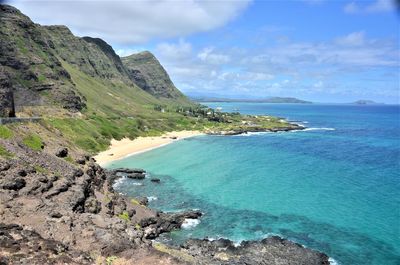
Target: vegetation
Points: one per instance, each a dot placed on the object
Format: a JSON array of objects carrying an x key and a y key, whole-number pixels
[
  {"x": 124, "y": 216},
  {"x": 40, "y": 169},
  {"x": 111, "y": 259},
  {"x": 4, "y": 153},
  {"x": 179, "y": 254},
  {"x": 5, "y": 133},
  {"x": 34, "y": 142},
  {"x": 136, "y": 202}
]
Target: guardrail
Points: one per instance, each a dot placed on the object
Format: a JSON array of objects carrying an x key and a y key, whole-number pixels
[{"x": 15, "y": 120}]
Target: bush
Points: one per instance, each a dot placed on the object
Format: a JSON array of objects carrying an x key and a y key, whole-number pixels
[{"x": 124, "y": 216}]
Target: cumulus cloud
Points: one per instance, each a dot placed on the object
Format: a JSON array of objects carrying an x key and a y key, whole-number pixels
[
  {"x": 208, "y": 55},
  {"x": 174, "y": 51},
  {"x": 289, "y": 69},
  {"x": 132, "y": 22},
  {"x": 374, "y": 7},
  {"x": 353, "y": 39}
]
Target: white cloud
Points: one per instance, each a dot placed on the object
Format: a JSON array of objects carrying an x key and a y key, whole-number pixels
[
  {"x": 208, "y": 55},
  {"x": 352, "y": 39},
  {"x": 126, "y": 52},
  {"x": 133, "y": 21},
  {"x": 176, "y": 51},
  {"x": 374, "y": 7},
  {"x": 289, "y": 69}
]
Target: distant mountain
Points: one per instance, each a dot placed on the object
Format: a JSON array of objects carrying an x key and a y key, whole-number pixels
[
  {"x": 265, "y": 100},
  {"x": 366, "y": 102}
]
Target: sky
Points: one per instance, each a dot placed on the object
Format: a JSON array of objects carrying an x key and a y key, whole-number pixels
[{"x": 318, "y": 50}]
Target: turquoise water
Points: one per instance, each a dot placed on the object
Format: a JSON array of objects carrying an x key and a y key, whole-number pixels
[{"x": 334, "y": 187}]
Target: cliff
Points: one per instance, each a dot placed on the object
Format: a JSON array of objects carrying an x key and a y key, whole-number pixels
[{"x": 147, "y": 72}]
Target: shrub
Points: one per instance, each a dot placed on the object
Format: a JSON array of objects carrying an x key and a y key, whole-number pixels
[{"x": 124, "y": 216}]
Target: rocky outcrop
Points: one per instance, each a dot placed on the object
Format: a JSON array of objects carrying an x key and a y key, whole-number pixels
[
  {"x": 22, "y": 246},
  {"x": 7, "y": 108},
  {"x": 272, "y": 250}
]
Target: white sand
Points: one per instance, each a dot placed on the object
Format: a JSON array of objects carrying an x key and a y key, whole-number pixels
[{"x": 127, "y": 147}]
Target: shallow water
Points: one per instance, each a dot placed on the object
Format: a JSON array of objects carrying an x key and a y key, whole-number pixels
[{"x": 334, "y": 187}]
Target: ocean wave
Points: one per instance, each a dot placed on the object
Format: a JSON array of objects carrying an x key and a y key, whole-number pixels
[
  {"x": 319, "y": 129},
  {"x": 152, "y": 198},
  {"x": 136, "y": 184},
  {"x": 118, "y": 182},
  {"x": 333, "y": 261},
  {"x": 247, "y": 134},
  {"x": 190, "y": 223}
]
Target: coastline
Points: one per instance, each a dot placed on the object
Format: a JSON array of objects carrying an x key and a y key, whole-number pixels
[{"x": 120, "y": 149}]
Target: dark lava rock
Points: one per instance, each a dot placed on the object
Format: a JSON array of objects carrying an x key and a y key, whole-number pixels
[
  {"x": 13, "y": 184},
  {"x": 143, "y": 201},
  {"x": 62, "y": 152},
  {"x": 272, "y": 250},
  {"x": 131, "y": 212},
  {"x": 92, "y": 206},
  {"x": 81, "y": 160},
  {"x": 136, "y": 175},
  {"x": 129, "y": 170},
  {"x": 4, "y": 165},
  {"x": 20, "y": 246},
  {"x": 55, "y": 214},
  {"x": 22, "y": 173},
  {"x": 155, "y": 180}
]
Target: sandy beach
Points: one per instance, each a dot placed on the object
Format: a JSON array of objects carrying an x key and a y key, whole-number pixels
[{"x": 126, "y": 147}]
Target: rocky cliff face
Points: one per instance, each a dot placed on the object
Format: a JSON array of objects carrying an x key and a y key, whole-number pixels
[
  {"x": 146, "y": 71},
  {"x": 28, "y": 61},
  {"x": 6, "y": 97}
]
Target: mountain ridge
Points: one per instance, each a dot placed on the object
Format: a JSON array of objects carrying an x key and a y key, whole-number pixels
[{"x": 264, "y": 100}]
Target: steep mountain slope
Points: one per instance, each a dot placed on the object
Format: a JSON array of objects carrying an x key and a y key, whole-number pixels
[
  {"x": 30, "y": 68},
  {"x": 45, "y": 66},
  {"x": 147, "y": 72}
]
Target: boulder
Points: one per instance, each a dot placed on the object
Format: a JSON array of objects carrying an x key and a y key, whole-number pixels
[
  {"x": 62, "y": 152},
  {"x": 13, "y": 184}
]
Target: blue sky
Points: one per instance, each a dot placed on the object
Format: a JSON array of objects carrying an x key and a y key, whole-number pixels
[{"x": 319, "y": 50}]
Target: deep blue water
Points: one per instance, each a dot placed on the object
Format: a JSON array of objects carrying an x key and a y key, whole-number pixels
[{"x": 335, "y": 188}]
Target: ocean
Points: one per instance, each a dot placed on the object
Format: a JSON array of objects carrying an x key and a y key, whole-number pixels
[{"x": 334, "y": 187}]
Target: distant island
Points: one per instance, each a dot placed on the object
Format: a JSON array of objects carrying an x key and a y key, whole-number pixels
[
  {"x": 366, "y": 102},
  {"x": 265, "y": 100}
]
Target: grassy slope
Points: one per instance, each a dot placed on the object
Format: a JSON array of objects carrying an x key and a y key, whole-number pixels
[{"x": 116, "y": 111}]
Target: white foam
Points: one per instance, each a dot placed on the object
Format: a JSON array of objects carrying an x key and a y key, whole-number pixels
[
  {"x": 247, "y": 134},
  {"x": 136, "y": 184},
  {"x": 333, "y": 261},
  {"x": 319, "y": 129},
  {"x": 189, "y": 223},
  {"x": 152, "y": 198},
  {"x": 119, "y": 181}
]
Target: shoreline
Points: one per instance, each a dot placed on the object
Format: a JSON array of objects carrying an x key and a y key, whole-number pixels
[{"x": 126, "y": 147}]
